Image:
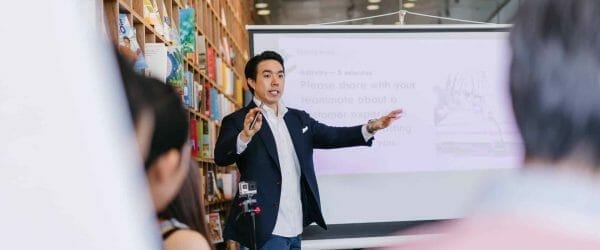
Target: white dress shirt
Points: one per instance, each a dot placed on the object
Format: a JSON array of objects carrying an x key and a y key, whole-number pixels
[{"x": 289, "y": 216}]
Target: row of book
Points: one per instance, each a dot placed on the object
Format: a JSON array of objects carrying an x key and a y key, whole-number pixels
[
  {"x": 218, "y": 187},
  {"x": 219, "y": 105},
  {"x": 166, "y": 61},
  {"x": 203, "y": 136}
]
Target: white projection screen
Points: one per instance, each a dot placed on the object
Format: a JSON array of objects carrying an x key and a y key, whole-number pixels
[{"x": 457, "y": 132}]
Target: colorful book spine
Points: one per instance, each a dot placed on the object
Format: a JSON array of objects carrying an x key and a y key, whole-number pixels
[
  {"x": 205, "y": 140},
  {"x": 175, "y": 76},
  {"x": 194, "y": 137},
  {"x": 210, "y": 61},
  {"x": 187, "y": 30}
]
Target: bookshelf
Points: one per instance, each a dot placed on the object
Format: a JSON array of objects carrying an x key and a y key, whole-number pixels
[{"x": 210, "y": 78}]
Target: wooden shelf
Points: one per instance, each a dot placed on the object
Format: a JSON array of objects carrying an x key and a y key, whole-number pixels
[
  {"x": 205, "y": 160},
  {"x": 210, "y": 25},
  {"x": 123, "y": 6},
  {"x": 219, "y": 202},
  {"x": 233, "y": 13},
  {"x": 199, "y": 114}
]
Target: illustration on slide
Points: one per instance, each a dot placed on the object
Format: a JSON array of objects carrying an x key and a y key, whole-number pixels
[{"x": 464, "y": 119}]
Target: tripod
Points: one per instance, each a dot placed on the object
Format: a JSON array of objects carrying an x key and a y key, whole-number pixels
[{"x": 248, "y": 207}]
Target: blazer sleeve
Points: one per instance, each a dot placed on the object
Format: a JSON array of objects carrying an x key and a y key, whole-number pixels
[
  {"x": 325, "y": 136},
  {"x": 226, "y": 146}
]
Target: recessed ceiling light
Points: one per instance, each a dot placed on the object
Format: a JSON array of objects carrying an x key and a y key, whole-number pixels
[
  {"x": 263, "y": 12},
  {"x": 261, "y": 5},
  {"x": 412, "y": 0},
  {"x": 372, "y": 7},
  {"x": 408, "y": 5},
  {"x": 374, "y": 1}
]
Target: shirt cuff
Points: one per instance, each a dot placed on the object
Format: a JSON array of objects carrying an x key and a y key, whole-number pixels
[
  {"x": 364, "y": 131},
  {"x": 241, "y": 145}
]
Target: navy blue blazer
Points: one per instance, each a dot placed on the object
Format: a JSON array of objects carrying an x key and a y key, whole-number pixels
[{"x": 260, "y": 163}]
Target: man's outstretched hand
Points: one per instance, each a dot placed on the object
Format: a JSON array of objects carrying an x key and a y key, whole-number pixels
[{"x": 384, "y": 121}]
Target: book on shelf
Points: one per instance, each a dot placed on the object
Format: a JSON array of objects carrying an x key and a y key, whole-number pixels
[
  {"x": 156, "y": 57},
  {"x": 197, "y": 95},
  {"x": 223, "y": 18},
  {"x": 129, "y": 46},
  {"x": 227, "y": 79},
  {"x": 232, "y": 55},
  {"x": 175, "y": 76},
  {"x": 201, "y": 52},
  {"x": 187, "y": 30},
  {"x": 206, "y": 100},
  {"x": 219, "y": 71},
  {"x": 226, "y": 51},
  {"x": 166, "y": 21},
  {"x": 212, "y": 190},
  {"x": 225, "y": 183},
  {"x": 205, "y": 141},
  {"x": 202, "y": 186},
  {"x": 174, "y": 31},
  {"x": 188, "y": 90},
  {"x": 152, "y": 16},
  {"x": 215, "y": 231},
  {"x": 230, "y": 82},
  {"x": 239, "y": 90},
  {"x": 213, "y": 137},
  {"x": 210, "y": 62},
  {"x": 199, "y": 131},
  {"x": 194, "y": 137},
  {"x": 214, "y": 104},
  {"x": 235, "y": 178}
]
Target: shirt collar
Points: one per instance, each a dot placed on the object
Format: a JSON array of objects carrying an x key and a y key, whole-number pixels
[{"x": 269, "y": 111}]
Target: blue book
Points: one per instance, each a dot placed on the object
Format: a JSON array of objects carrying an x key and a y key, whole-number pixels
[{"x": 128, "y": 44}]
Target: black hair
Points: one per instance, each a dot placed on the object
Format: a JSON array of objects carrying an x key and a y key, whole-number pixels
[
  {"x": 170, "y": 131},
  {"x": 170, "y": 118},
  {"x": 188, "y": 206},
  {"x": 137, "y": 96},
  {"x": 252, "y": 65},
  {"x": 554, "y": 79}
]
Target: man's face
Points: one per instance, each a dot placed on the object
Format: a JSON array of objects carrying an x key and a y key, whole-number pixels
[{"x": 270, "y": 81}]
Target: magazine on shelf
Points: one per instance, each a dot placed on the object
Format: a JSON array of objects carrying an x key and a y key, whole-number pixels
[{"x": 129, "y": 46}]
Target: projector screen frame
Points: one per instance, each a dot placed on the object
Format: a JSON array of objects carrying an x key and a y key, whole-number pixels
[
  {"x": 265, "y": 29},
  {"x": 355, "y": 230}
]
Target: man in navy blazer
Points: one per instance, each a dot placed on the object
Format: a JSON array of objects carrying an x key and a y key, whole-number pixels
[{"x": 280, "y": 158}]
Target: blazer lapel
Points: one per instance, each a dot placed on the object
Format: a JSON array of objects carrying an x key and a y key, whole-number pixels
[
  {"x": 295, "y": 129},
  {"x": 267, "y": 138}
]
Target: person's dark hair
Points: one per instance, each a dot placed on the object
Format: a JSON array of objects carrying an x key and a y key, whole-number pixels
[
  {"x": 171, "y": 122},
  {"x": 138, "y": 97},
  {"x": 188, "y": 205},
  {"x": 170, "y": 118},
  {"x": 252, "y": 64},
  {"x": 554, "y": 79}
]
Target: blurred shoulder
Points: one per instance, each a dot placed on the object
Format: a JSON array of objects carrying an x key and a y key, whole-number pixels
[{"x": 186, "y": 239}]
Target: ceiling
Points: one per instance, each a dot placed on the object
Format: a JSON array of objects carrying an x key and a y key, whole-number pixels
[{"x": 298, "y": 12}]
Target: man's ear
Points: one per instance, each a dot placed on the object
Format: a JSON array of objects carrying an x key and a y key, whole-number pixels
[
  {"x": 166, "y": 166},
  {"x": 251, "y": 82}
]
